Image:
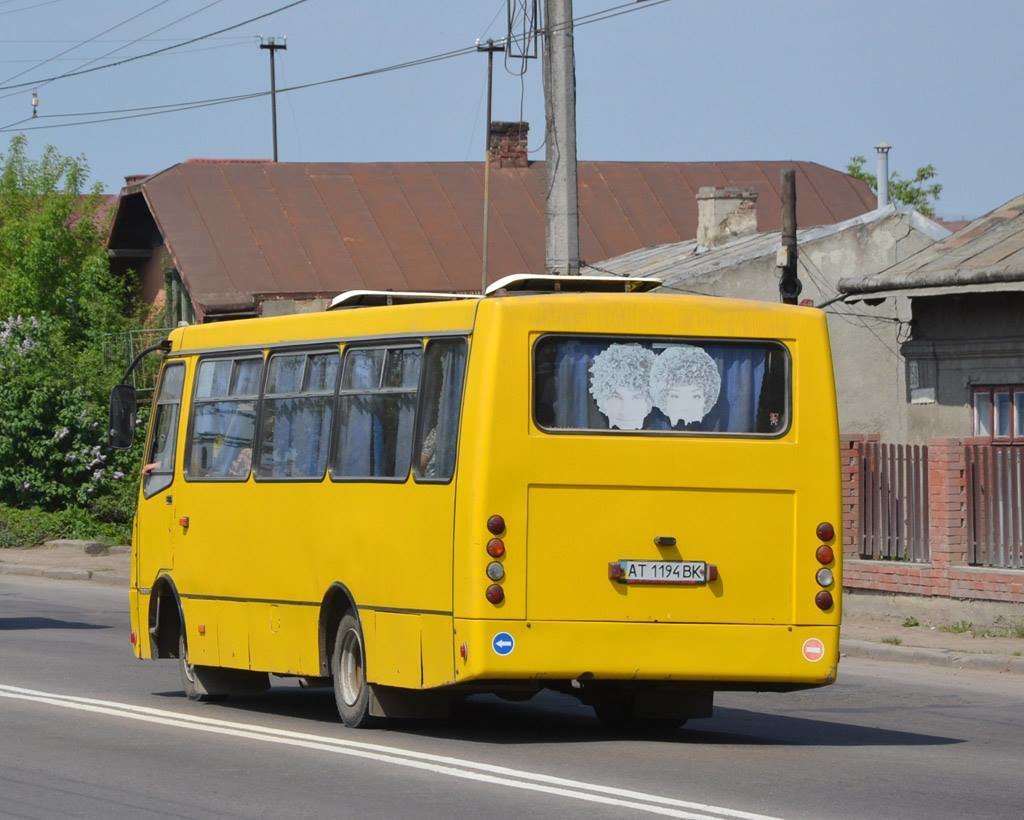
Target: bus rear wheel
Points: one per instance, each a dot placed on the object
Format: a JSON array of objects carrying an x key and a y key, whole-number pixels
[
  {"x": 191, "y": 681},
  {"x": 211, "y": 683},
  {"x": 348, "y": 668}
]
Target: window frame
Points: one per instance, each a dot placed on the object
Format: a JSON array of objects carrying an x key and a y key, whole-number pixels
[
  {"x": 193, "y": 402},
  {"x": 332, "y": 397},
  {"x": 1014, "y": 439},
  {"x": 698, "y": 341},
  {"x": 168, "y": 364},
  {"x": 406, "y": 343},
  {"x": 416, "y": 443}
]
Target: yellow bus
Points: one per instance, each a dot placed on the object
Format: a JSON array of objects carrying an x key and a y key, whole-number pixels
[{"x": 567, "y": 483}]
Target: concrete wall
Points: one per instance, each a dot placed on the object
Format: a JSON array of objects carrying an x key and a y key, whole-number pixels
[
  {"x": 870, "y": 372},
  {"x": 959, "y": 342}
]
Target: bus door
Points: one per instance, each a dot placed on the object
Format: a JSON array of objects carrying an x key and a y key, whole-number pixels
[{"x": 157, "y": 525}]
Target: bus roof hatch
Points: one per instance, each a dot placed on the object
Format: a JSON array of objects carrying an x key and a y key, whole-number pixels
[{"x": 536, "y": 283}]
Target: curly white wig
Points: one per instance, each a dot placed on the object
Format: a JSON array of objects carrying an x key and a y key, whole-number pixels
[
  {"x": 620, "y": 365},
  {"x": 689, "y": 365}
]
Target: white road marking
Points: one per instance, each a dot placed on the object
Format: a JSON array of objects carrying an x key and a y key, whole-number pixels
[{"x": 438, "y": 764}]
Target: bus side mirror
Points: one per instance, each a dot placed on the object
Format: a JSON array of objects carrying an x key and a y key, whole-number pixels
[{"x": 122, "y": 416}]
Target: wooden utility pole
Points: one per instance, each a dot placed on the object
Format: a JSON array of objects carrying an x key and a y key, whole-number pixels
[
  {"x": 562, "y": 227},
  {"x": 490, "y": 47},
  {"x": 789, "y": 281},
  {"x": 272, "y": 44}
]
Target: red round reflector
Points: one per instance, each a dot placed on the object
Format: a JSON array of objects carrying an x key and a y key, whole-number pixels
[
  {"x": 132, "y": 638},
  {"x": 496, "y": 525},
  {"x": 495, "y": 548},
  {"x": 826, "y": 532},
  {"x": 823, "y": 599},
  {"x": 495, "y": 594},
  {"x": 824, "y": 554}
]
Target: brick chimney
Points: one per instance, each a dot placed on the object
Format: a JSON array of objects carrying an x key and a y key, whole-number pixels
[
  {"x": 724, "y": 214},
  {"x": 508, "y": 144}
]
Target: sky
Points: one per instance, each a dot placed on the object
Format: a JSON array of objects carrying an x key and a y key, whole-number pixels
[{"x": 816, "y": 80}]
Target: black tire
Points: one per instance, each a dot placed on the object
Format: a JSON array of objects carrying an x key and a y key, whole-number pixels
[
  {"x": 348, "y": 670},
  {"x": 190, "y": 681},
  {"x": 618, "y": 714}
]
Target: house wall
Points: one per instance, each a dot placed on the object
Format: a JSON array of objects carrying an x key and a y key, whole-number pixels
[
  {"x": 870, "y": 377},
  {"x": 959, "y": 342}
]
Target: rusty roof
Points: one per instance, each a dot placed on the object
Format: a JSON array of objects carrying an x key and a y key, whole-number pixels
[
  {"x": 241, "y": 230},
  {"x": 987, "y": 254}
]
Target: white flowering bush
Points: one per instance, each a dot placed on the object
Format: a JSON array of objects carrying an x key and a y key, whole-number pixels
[{"x": 58, "y": 301}]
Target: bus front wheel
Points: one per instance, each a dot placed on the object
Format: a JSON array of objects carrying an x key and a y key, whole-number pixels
[{"x": 348, "y": 668}]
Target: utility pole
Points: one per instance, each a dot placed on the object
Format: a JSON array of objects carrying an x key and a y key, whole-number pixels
[
  {"x": 789, "y": 281},
  {"x": 272, "y": 44},
  {"x": 562, "y": 229},
  {"x": 490, "y": 47}
]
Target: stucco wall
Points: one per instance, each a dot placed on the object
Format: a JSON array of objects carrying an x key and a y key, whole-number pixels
[
  {"x": 959, "y": 342},
  {"x": 870, "y": 377}
]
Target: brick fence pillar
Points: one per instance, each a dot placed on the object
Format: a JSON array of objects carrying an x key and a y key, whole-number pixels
[
  {"x": 850, "y": 448},
  {"x": 947, "y": 502}
]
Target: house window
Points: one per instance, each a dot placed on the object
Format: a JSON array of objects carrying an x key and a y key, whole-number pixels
[{"x": 999, "y": 413}]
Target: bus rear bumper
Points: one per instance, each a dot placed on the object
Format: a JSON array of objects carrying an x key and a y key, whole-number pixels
[{"x": 738, "y": 654}]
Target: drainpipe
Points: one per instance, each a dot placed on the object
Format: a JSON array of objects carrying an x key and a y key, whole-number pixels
[{"x": 882, "y": 149}]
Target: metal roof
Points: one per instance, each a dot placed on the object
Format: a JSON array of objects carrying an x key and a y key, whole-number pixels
[
  {"x": 683, "y": 262},
  {"x": 239, "y": 230},
  {"x": 987, "y": 255}
]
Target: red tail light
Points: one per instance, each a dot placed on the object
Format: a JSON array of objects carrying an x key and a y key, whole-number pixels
[
  {"x": 495, "y": 548},
  {"x": 496, "y": 525},
  {"x": 133, "y": 638},
  {"x": 826, "y": 532},
  {"x": 824, "y": 554},
  {"x": 495, "y": 594},
  {"x": 824, "y": 600}
]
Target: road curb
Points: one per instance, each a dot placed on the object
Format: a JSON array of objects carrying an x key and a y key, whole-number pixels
[
  {"x": 98, "y": 576},
  {"x": 934, "y": 657}
]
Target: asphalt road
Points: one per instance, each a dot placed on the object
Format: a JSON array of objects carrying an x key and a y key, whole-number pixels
[{"x": 88, "y": 731}]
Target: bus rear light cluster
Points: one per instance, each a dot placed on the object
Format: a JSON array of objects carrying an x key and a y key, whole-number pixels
[
  {"x": 824, "y": 600},
  {"x": 496, "y": 549}
]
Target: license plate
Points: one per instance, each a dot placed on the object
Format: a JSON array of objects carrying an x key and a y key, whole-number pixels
[{"x": 686, "y": 573}]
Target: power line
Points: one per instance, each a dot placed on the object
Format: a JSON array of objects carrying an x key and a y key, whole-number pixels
[
  {"x": 31, "y": 8},
  {"x": 234, "y": 44},
  {"x": 137, "y": 112},
  {"x": 79, "y": 72},
  {"x": 129, "y": 43},
  {"x": 82, "y": 43}
]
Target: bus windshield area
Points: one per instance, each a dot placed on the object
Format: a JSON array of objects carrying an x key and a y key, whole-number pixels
[{"x": 586, "y": 383}]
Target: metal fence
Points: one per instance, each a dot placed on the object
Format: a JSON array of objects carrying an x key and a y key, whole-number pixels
[
  {"x": 894, "y": 502},
  {"x": 121, "y": 348},
  {"x": 995, "y": 506}
]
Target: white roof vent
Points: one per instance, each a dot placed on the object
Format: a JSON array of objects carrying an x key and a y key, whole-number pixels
[
  {"x": 534, "y": 283},
  {"x": 381, "y": 298}
]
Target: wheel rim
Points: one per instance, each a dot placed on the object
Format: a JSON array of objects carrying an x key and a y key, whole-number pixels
[
  {"x": 187, "y": 669},
  {"x": 351, "y": 667}
]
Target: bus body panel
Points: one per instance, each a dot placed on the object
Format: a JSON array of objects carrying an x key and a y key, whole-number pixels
[{"x": 257, "y": 558}]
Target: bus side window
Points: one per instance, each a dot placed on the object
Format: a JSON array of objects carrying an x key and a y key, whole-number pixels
[
  {"x": 158, "y": 472},
  {"x": 437, "y": 430},
  {"x": 224, "y": 418},
  {"x": 376, "y": 410},
  {"x": 298, "y": 404}
]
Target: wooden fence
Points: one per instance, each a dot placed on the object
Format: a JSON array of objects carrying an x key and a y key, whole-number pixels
[
  {"x": 995, "y": 506},
  {"x": 894, "y": 502}
]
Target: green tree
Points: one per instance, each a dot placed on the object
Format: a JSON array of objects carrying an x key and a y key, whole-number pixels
[
  {"x": 919, "y": 191},
  {"x": 59, "y": 307}
]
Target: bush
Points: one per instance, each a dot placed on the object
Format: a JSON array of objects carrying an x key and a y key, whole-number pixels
[{"x": 28, "y": 528}]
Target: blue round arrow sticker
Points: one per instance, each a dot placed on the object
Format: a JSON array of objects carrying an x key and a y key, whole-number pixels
[{"x": 503, "y": 644}]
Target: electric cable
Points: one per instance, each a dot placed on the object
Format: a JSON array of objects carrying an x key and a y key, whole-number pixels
[
  {"x": 136, "y": 112},
  {"x": 31, "y": 8},
  {"x": 190, "y": 41}
]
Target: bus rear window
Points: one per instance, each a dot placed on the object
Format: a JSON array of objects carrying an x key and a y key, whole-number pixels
[{"x": 661, "y": 385}]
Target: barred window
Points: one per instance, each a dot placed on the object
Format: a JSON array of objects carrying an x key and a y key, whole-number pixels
[
  {"x": 296, "y": 414},
  {"x": 376, "y": 412},
  {"x": 224, "y": 418}
]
